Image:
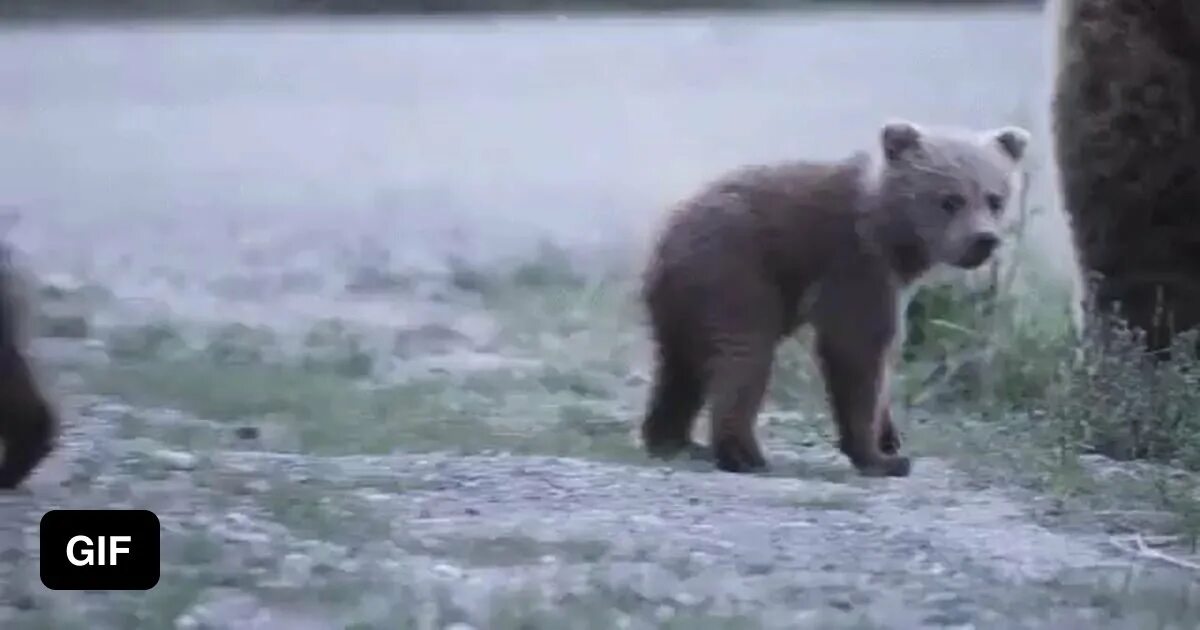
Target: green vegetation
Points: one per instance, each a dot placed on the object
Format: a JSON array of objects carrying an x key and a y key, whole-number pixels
[
  {"x": 1037, "y": 400},
  {"x": 996, "y": 378}
]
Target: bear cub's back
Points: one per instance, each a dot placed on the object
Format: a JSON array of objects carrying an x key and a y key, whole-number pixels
[{"x": 778, "y": 219}]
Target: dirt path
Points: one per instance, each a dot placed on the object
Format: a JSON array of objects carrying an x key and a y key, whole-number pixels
[
  {"x": 260, "y": 535},
  {"x": 428, "y": 541}
]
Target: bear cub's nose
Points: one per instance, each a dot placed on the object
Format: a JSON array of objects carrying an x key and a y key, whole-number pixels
[
  {"x": 985, "y": 244},
  {"x": 980, "y": 249}
]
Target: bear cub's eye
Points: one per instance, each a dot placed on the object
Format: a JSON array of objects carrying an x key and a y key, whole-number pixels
[
  {"x": 995, "y": 202},
  {"x": 953, "y": 203}
]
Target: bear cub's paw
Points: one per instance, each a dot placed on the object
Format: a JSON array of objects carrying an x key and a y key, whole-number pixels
[
  {"x": 733, "y": 456},
  {"x": 892, "y": 466}
]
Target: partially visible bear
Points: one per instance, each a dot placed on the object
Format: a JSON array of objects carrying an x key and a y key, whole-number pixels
[
  {"x": 766, "y": 249},
  {"x": 1125, "y": 113},
  {"x": 28, "y": 423}
]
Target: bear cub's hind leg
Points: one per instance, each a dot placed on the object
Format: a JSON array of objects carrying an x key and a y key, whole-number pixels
[
  {"x": 675, "y": 398},
  {"x": 740, "y": 378}
]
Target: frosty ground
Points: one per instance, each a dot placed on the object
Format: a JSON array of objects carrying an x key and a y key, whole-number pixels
[{"x": 478, "y": 468}]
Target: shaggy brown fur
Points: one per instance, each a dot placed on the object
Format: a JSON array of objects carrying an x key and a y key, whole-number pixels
[
  {"x": 1126, "y": 117},
  {"x": 767, "y": 249},
  {"x": 28, "y": 424}
]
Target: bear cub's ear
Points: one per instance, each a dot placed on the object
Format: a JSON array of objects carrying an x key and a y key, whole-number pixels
[
  {"x": 899, "y": 136},
  {"x": 1012, "y": 141}
]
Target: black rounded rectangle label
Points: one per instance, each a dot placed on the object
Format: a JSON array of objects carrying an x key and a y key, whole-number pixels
[{"x": 100, "y": 550}]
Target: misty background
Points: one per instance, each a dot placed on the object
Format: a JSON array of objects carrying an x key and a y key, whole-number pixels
[
  {"x": 240, "y": 158},
  {"x": 129, "y": 8}
]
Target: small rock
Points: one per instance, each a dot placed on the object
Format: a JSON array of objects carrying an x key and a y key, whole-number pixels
[
  {"x": 942, "y": 599},
  {"x": 375, "y": 497},
  {"x": 63, "y": 326},
  {"x": 296, "y": 569},
  {"x": 176, "y": 460},
  {"x": 471, "y": 512},
  {"x": 326, "y": 554},
  {"x": 686, "y": 599},
  {"x": 246, "y": 433},
  {"x": 262, "y": 552},
  {"x": 428, "y": 339},
  {"x": 220, "y": 606},
  {"x": 948, "y": 618},
  {"x": 257, "y": 486},
  {"x": 368, "y": 280},
  {"x": 841, "y": 604},
  {"x": 57, "y": 286},
  {"x": 109, "y": 410},
  {"x": 805, "y": 619},
  {"x": 237, "y": 519},
  {"x": 447, "y": 571}
]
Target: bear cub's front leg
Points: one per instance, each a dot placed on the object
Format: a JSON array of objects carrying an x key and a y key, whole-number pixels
[{"x": 855, "y": 375}]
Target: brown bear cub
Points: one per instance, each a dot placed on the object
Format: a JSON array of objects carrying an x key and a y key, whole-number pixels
[
  {"x": 28, "y": 425},
  {"x": 766, "y": 249}
]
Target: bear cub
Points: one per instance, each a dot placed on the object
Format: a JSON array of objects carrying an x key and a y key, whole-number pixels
[{"x": 768, "y": 248}]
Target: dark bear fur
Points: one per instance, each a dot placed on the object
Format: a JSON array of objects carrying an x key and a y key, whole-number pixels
[
  {"x": 28, "y": 423},
  {"x": 1126, "y": 120}
]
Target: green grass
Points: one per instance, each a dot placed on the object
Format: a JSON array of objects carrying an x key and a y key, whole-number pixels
[
  {"x": 1032, "y": 398},
  {"x": 330, "y": 413},
  {"x": 559, "y": 385},
  {"x": 997, "y": 370}
]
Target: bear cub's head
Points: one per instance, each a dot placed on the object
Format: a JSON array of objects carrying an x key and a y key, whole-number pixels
[{"x": 949, "y": 188}]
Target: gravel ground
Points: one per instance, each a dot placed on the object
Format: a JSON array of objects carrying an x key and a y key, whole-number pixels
[{"x": 273, "y": 540}]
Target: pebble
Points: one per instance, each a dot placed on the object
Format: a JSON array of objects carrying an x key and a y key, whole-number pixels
[
  {"x": 64, "y": 326},
  {"x": 237, "y": 519},
  {"x": 257, "y": 486},
  {"x": 448, "y": 571},
  {"x": 246, "y": 433},
  {"x": 296, "y": 569},
  {"x": 841, "y": 604},
  {"x": 686, "y": 599},
  {"x": 176, "y": 460}
]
